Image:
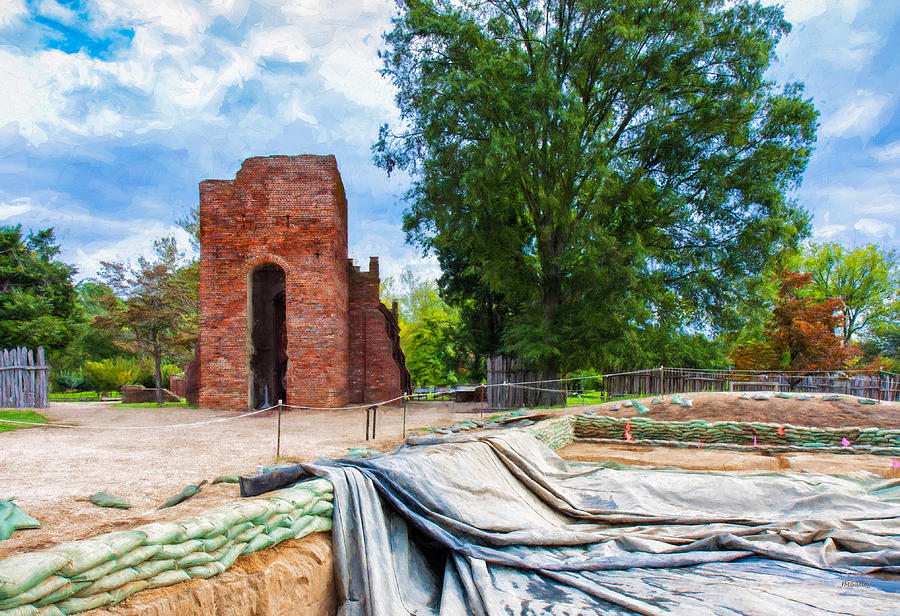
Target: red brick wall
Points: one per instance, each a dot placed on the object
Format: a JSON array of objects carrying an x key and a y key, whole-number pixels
[
  {"x": 374, "y": 374},
  {"x": 290, "y": 211}
]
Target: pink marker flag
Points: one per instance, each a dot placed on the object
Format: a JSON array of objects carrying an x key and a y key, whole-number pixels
[
  {"x": 698, "y": 445},
  {"x": 896, "y": 463},
  {"x": 627, "y": 436},
  {"x": 781, "y": 430},
  {"x": 754, "y": 440},
  {"x": 845, "y": 442},
  {"x": 627, "y": 426}
]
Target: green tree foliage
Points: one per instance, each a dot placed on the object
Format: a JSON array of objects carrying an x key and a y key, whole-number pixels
[
  {"x": 587, "y": 169},
  {"x": 430, "y": 333},
  {"x": 38, "y": 303},
  {"x": 867, "y": 279},
  {"x": 89, "y": 343},
  {"x": 154, "y": 305}
]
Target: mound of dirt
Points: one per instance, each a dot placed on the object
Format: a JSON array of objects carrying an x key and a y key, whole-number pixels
[{"x": 730, "y": 407}]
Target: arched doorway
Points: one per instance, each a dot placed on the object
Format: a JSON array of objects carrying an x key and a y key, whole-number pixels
[{"x": 268, "y": 336}]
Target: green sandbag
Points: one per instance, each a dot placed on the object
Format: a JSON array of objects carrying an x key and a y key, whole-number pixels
[
  {"x": 225, "y": 479},
  {"x": 167, "y": 578},
  {"x": 24, "y": 610},
  {"x": 73, "y": 605},
  {"x": 12, "y": 518},
  {"x": 25, "y": 571},
  {"x": 121, "y": 593},
  {"x": 104, "y": 499},
  {"x": 48, "y": 585},
  {"x": 867, "y": 401},
  {"x": 362, "y": 452},
  {"x": 185, "y": 494},
  {"x": 641, "y": 409}
]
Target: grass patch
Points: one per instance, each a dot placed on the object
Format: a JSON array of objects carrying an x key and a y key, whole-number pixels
[
  {"x": 152, "y": 405},
  {"x": 589, "y": 397},
  {"x": 29, "y": 416},
  {"x": 80, "y": 396}
]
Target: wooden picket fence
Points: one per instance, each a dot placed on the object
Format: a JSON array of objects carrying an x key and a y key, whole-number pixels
[
  {"x": 24, "y": 379},
  {"x": 661, "y": 381},
  {"x": 511, "y": 385}
]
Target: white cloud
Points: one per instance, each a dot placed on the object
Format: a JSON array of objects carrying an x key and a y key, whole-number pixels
[
  {"x": 121, "y": 239},
  {"x": 796, "y": 11},
  {"x": 852, "y": 50},
  {"x": 54, "y": 10},
  {"x": 862, "y": 116},
  {"x": 827, "y": 230},
  {"x": 874, "y": 227},
  {"x": 11, "y": 10},
  {"x": 124, "y": 247},
  {"x": 15, "y": 208},
  {"x": 175, "y": 72},
  {"x": 889, "y": 152},
  {"x": 877, "y": 196}
]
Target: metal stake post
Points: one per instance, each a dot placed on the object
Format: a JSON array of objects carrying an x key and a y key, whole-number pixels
[
  {"x": 404, "y": 416},
  {"x": 278, "y": 443},
  {"x": 374, "y": 412}
]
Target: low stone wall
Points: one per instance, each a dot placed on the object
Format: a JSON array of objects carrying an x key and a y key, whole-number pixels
[
  {"x": 82, "y": 575},
  {"x": 137, "y": 394}
]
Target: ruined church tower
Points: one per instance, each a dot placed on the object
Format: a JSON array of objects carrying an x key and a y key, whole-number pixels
[{"x": 284, "y": 313}]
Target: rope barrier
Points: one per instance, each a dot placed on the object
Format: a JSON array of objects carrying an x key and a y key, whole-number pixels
[
  {"x": 201, "y": 423},
  {"x": 102, "y": 427}
]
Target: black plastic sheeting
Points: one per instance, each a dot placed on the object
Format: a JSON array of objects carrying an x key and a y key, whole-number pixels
[{"x": 499, "y": 524}]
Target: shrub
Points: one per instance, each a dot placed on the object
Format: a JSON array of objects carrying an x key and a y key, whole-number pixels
[
  {"x": 145, "y": 375},
  {"x": 108, "y": 374},
  {"x": 71, "y": 382}
]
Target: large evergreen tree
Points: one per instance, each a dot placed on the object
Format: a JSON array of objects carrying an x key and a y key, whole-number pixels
[
  {"x": 38, "y": 303},
  {"x": 585, "y": 169}
]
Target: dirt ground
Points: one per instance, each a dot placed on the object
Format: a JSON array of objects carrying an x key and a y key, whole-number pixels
[{"x": 147, "y": 462}]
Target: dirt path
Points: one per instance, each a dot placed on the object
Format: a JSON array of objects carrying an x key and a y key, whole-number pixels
[{"x": 46, "y": 468}]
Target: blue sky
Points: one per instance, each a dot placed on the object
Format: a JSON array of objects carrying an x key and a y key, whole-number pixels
[{"x": 114, "y": 110}]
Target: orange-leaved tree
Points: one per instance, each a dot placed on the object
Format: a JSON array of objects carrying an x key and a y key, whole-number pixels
[{"x": 800, "y": 334}]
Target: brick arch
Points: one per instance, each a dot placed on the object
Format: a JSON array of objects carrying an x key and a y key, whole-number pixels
[{"x": 257, "y": 260}]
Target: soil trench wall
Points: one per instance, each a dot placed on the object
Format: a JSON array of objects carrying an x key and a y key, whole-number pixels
[{"x": 293, "y": 578}]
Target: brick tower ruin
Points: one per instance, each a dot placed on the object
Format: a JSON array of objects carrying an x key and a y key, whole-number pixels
[{"x": 284, "y": 313}]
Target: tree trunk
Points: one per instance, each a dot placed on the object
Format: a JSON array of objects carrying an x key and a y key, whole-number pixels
[{"x": 157, "y": 373}]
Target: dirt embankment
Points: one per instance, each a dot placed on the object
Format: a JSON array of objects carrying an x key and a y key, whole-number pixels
[{"x": 730, "y": 407}]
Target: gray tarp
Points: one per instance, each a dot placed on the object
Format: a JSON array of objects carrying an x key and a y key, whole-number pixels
[{"x": 499, "y": 524}]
